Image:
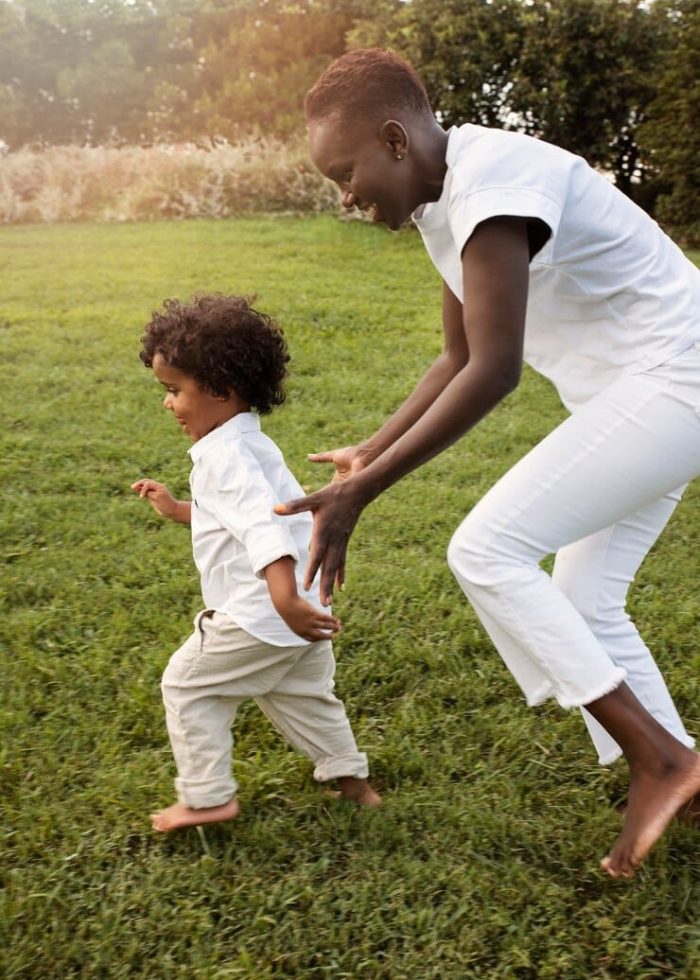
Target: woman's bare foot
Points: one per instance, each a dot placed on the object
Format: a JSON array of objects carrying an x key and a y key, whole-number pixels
[
  {"x": 690, "y": 812},
  {"x": 655, "y": 798},
  {"x": 359, "y": 791},
  {"x": 178, "y": 815}
]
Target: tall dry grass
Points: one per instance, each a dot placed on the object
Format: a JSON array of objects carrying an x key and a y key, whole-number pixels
[{"x": 72, "y": 183}]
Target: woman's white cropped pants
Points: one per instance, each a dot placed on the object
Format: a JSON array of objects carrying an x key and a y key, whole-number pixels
[{"x": 597, "y": 492}]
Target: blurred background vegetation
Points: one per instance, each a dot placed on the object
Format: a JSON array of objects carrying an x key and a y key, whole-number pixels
[{"x": 617, "y": 81}]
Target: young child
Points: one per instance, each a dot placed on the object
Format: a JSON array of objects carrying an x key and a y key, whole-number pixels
[
  {"x": 222, "y": 364},
  {"x": 542, "y": 260}
]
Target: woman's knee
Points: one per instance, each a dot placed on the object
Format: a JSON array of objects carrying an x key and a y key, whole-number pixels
[{"x": 474, "y": 551}]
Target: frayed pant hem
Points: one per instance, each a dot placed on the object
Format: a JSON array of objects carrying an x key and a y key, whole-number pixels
[
  {"x": 541, "y": 695},
  {"x": 612, "y": 756},
  {"x": 617, "y": 678}
]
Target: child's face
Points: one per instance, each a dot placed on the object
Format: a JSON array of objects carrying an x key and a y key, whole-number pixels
[
  {"x": 363, "y": 162},
  {"x": 196, "y": 410}
]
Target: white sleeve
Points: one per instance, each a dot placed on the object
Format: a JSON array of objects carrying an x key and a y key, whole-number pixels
[
  {"x": 467, "y": 210},
  {"x": 244, "y": 503}
]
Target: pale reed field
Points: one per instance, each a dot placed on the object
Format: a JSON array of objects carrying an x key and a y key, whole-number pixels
[{"x": 131, "y": 183}]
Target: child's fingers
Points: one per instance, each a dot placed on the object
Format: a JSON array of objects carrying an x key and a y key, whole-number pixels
[
  {"x": 328, "y": 623},
  {"x": 146, "y": 488}
]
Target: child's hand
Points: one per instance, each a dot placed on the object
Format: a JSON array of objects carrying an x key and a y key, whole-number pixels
[
  {"x": 158, "y": 496},
  {"x": 307, "y": 621}
]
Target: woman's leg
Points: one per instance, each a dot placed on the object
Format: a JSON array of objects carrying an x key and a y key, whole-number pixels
[
  {"x": 595, "y": 574},
  {"x": 618, "y": 454}
]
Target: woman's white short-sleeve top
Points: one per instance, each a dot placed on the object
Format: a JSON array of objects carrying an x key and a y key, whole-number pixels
[{"x": 609, "y": 292}]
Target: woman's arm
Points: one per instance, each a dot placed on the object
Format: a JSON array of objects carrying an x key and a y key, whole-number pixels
[
  {"x": 495, "y": 264},
  {"x": 349, "y": 460},
  {"x": 453, "y": 358}
]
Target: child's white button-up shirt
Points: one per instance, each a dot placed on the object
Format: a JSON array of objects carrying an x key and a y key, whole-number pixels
[{"x": 238, "y": 476}]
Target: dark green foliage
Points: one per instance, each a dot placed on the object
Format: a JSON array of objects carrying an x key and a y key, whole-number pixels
[
  {"x": 614, "y": 81},
  {"x": 670, "y": 137}
]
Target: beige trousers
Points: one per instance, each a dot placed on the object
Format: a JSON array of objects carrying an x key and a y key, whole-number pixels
[{"x": 217, "y": 668}]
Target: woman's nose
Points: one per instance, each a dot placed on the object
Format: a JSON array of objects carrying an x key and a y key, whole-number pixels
[{"x": 348, "y": 199}]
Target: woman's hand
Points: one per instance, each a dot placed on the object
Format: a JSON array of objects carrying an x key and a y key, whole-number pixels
[
  {"x": 347, "y": 461},
  {"x": 336, "y": 509}
]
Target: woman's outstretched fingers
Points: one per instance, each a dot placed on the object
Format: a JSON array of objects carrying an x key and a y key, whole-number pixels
[
  {"x": 294, "y": 506},
  {"x": 313, "y": 564},
  {"x": 333, "y": 561}
]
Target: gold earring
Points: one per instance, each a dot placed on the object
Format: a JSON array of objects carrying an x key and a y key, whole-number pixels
[{"x": 399, "y": 156}]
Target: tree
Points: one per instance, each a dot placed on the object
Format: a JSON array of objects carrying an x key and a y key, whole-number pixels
[
  {"x": 584, "y": 78},
  {"x": 670, "y": 136},
  {"x": 578, "y": 73},
  {"x": 260, "y": 62},
  {"x": 465, "y": 50}
]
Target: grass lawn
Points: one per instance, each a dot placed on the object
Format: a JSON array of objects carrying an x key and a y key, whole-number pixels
[{"x": 483, "y": 862}]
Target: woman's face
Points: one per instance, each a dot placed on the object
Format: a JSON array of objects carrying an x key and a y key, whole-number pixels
[{"x": 370, "y": 165}]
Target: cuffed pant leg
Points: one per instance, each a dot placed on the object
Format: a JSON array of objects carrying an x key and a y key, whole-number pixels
[
  {"x": 595, "y": 574},
  {"x": 206, "y": 680},
  {"x": 307, "y": 713}
]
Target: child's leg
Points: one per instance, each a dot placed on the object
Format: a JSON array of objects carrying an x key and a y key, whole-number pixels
[
  {"x": 305, "y": 710},
  {"x": 206, "y": 680},
  {"x": 627, "y": 448},
  {"x": 595, "y": 575}
]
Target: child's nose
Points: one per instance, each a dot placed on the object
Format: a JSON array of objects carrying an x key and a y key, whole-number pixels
[{"x": 166, "y": 401}]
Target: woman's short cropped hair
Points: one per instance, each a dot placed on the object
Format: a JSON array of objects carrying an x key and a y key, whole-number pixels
[
  {"x": 367, "y": 83},
  {"x": 224, "y": 344}
]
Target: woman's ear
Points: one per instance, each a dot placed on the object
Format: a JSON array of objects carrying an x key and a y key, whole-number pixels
[{"x": 395, "y": 138}]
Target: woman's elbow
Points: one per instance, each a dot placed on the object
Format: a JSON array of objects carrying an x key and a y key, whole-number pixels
[
  {"x": 502, "y": 379},
  {"x": 510, "y": 377}
]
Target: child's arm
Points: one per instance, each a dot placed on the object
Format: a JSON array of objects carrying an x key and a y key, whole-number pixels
[
  {"x": 299, "y": 615},
  {"x": 163, "y": 502}
]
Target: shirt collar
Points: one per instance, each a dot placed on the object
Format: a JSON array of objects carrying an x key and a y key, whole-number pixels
[
  {"x": 231, "y": 429},
  {"x": 423, "y": 210}
]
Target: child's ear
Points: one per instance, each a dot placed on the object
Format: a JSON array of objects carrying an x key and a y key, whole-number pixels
[{"x": 395, "y": 138}]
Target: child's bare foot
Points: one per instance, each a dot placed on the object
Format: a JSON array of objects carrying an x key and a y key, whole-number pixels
[
  {"x": 178, "y": 815},
  {"x": 359, "y": 791},
  {"x": 655, "y": 798}
]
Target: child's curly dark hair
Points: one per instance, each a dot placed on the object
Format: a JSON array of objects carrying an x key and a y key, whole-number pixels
[{"x": 224, "y": 344}]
